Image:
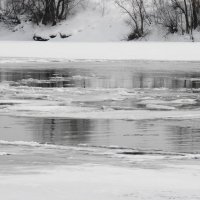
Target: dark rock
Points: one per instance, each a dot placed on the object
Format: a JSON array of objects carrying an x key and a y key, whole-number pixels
[
  {"x": 62, "y": 35},
  {"x": 39, "y": 38},
  {"x": 52, "y": 36}
]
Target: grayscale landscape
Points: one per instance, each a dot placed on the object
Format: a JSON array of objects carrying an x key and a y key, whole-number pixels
[{"x": 99, "y": 100}]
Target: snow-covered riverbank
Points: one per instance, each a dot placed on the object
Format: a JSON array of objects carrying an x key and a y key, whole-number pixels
[
  {"x": 103, "y": 182},
  {"x": 99, "y": 51},
  {"x": 47, "y": 172}
]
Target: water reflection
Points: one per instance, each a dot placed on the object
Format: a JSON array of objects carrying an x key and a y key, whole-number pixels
[
  {"x": 173, "y": 136},
  {"x": 64, "y": 132},
  {"x": 101, "y": 77},
  {"x": 167, "y": 135}
]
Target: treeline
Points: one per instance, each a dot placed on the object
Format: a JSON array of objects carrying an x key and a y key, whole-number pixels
[
  {"x": 181, "y": 16},
  {"x": 38, "y": 11},
  {"x": 176, "y": 16}
]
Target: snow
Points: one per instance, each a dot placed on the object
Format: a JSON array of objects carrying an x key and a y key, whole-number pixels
[
  {"x": 95, "y": 21},
  {"x": 65, "y": 109},
  {"x": 98, "y": 33},
  {"x": 156, "y": 176},
  {"x": 75, "y": 113},
  {"x": 100, "y": 51},
  {"x": 159, "y": 107},
  {"x": 150, "y": 176},
  {"x": 167, "y": 105},
  {"x": 103, "y": 182}
]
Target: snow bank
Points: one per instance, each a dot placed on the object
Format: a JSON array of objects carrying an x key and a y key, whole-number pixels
[
  {"x": 101, "y": 51},
  {"x": 103, "y": 182}
]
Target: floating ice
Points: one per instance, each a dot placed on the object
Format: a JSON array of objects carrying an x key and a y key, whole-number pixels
[
  {"x": 159, "y": 107},
  {"x": 4, "y": 154},
  {"x": 184, "y": 101}
]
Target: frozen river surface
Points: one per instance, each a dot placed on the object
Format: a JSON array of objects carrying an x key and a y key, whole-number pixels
[{"x": 139, "y": 115}]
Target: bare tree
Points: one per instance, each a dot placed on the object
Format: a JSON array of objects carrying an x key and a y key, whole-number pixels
[
  {"x": 136, "y": 11},
  {"x": 195, "y": 5},
  {"x": 41, "y": 11},
  {"x": 166, "y": 15},
  {"x": 178, "y": 15},
  {"x": 181, "y": 16},
  {"x": 184, "y": 7}
]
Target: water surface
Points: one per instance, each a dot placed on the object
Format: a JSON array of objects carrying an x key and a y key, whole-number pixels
[{"x": 37, "y": 92}]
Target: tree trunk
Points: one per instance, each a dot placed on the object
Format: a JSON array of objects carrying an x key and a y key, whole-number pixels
[
  {"x": 186, "y": 17},
  {"x": 62, "y": 10},
  {"x": 50, "y": 13},
  {"x": 194, "y": 13}
]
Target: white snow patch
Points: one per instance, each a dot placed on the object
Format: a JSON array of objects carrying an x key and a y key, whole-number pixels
[
  {"x": 168, "y": 105},
  {"x": 92, "y": 113},
  {"x": 184, "y": 101},
  {"x": 3, "y": 154},
  {"x": 100, "y": 51},
  {"x": 159, "y": 107},
  {"x": 103, "y": 182}
]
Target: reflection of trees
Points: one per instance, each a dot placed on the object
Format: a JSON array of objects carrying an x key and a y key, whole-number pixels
[
  {"x": 71, "y": 131},
  {"x": 141, "y": 78},
  {"x": 45, "y": 75},
  {"x": 106, "y": 78},
  {"x": 172, "y": 136},
  {"x": 185, "y": 138},
  {"x": 180, "y": 138},
  {"x": 78, "y": 130},
  {"x": 19, "y": 74},
  {"x": 171, "y": 81},
  {"x": 62, "y": 131}
]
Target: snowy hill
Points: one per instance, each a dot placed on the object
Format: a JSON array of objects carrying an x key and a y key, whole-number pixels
[
  {"x": 95, "y": 21},
  {"x": 98, "y": 22}
]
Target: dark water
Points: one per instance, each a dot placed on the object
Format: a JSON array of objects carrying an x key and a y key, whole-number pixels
[
  {"x": 166, "y": 135},
  {"x": 107, "y": 75}
]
